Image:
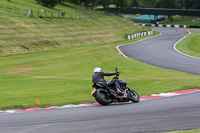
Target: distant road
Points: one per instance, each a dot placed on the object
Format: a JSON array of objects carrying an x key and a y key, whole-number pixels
[{"x": 159, "y": 51}]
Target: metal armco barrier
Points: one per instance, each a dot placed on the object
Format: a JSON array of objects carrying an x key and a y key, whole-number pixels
[{"x": 136, "y": 35}]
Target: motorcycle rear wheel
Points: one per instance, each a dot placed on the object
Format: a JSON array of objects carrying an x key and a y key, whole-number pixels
[{"x": 102, "y": 97}]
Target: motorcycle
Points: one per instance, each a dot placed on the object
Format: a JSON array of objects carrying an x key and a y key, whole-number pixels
[{"x": 102, "y": 93}]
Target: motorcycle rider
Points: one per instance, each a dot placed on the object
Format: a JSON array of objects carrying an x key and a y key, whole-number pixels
[{"x": 98, "y": 76}]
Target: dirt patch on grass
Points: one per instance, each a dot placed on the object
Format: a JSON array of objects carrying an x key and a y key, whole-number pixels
[
  {"x": 81, "y": 51},
  {"x": 150, "y": 78},
  {"x": 23, "y": 70}
]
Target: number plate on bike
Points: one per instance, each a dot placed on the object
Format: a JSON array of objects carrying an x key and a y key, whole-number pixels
[{"x": 93, "y": 91}]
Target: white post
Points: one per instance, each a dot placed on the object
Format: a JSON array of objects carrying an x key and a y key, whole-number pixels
[
  {"x": 129, "y": 37},
  {"x": 176, "y": 26},
  {"x": 132, "y": 36},
  {"x": 168, "y": 26}
]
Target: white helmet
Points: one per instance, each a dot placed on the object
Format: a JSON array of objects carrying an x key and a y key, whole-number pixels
[{"x": 97, "y": 69}]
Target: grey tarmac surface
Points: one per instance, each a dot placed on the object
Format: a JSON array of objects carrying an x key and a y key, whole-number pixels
[
  {"x": 159, "y": 51},
  {"x": 150, "y": 116}
]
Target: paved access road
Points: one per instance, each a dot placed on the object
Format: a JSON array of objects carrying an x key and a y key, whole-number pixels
[
  {"x": 159, "y": 51},
  {"x": 150, "y": 116}
]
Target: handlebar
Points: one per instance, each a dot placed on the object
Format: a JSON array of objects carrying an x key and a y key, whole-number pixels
[{"x": 117, "y": 72}]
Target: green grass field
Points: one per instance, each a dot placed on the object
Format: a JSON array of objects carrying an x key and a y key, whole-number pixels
[
  {"x": 190, "y": 45},
  {"x": 35, "y": 34},
  {"x": 63, "y": 76},
  {"x": 195, "y": 32},
  {"x": 53, "y": 61},
  {"x": 27, "y": 4}
]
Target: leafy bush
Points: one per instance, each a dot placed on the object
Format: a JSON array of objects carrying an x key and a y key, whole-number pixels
[{"x": 48, "y": 3}]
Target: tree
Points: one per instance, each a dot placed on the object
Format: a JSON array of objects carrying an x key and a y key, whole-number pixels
[
  {"x": 146, "y": 4},
  {"x": 160, "y": 4},
  {"x": 191, "y": 4},
  {"x": 48, "y": 3},
  {"x": 77, "y": 2},
  {"x": 120, "y": 4},
  {"x": 105, "y": 4},
  {"x": 61, "y": 1},
  {"x": 132, "y": 3}
]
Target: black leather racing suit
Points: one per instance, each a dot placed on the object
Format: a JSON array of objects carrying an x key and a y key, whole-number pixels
[{"x": 99, "y": 77}]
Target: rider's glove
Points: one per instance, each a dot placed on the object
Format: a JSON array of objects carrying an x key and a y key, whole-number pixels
[{"x": 117, "y": 73}]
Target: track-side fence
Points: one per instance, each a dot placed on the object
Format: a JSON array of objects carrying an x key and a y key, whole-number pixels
[{"x": 45, "y": 13}]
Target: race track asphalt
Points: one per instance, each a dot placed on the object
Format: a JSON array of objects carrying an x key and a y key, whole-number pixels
[
  {"x": 159, "y": 51},
  {"x": 150, "y": 116}
]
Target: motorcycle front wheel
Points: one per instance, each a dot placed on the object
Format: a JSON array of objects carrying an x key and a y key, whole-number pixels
[
  {"x": 102, "y": 97},
  {"x": 134, "y": 97}
]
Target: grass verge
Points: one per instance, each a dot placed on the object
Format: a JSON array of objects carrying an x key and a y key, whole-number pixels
[
  {"x": 63, "y": 76},
  {"x": 190, "y": 45},
  {"x": 186, "y": 131},
  {"x": 35, "y": 34}
]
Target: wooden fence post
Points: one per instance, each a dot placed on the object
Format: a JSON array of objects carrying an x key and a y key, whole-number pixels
[
  {"x": 51, "y": 16},
  {"x": 13, "y": 12},
  {"x": 59, "y": 14},
  {"x": 22, "y": 12},
  {"x": 30, "y": 13},
  {"x": 3, "y": 10}
]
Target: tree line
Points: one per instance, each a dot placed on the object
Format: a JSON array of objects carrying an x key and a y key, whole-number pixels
[{"x": 176, "y": 4}]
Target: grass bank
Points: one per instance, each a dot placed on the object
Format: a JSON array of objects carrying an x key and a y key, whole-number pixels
[
  {"x": 35, "y": 34},
  {"x": 190, "y": 45},
  {"x": 21, "y": 34},
  {"x": 186, "y": 131}
]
